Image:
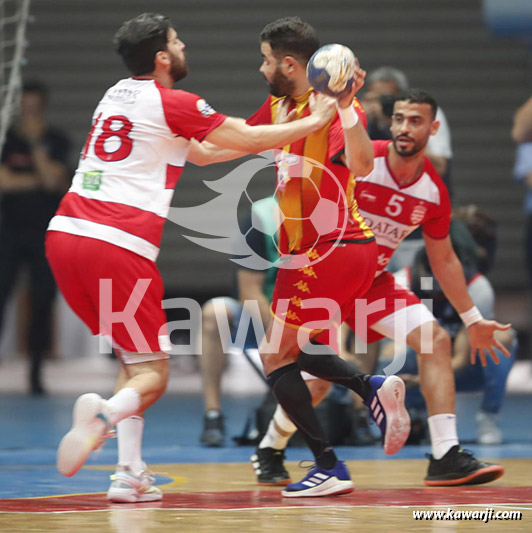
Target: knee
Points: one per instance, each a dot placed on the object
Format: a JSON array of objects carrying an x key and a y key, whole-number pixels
[
  {"x": 161, "y": 369},
  {"x": 441, "y": 342},
  {"x": 209, "y": 323},
  {"x": 318, "y": 389}
]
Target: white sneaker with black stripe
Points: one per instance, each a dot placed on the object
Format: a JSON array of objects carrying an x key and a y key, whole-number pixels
[{"x": 321, "y": 482}]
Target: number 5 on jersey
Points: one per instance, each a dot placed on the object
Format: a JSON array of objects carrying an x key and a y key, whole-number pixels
[{"x": 394, "y": 207}]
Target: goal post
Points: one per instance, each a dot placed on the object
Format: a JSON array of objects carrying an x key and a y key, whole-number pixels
[{"x": 13, "y": 20}]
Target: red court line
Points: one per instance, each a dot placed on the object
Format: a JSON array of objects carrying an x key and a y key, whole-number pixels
[{"x": 257, "y": 499}]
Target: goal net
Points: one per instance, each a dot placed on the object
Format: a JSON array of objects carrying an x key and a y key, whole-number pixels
[{"x": 13, "y": 20}]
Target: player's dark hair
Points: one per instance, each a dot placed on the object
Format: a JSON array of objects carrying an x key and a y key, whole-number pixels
[
  {"x": 417, "y": 96},
  {"x": 291, "y": 36},
  {"x": 139, "y": 39}
]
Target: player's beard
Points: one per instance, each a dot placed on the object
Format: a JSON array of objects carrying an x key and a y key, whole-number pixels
[
  {"x": 179, "y": 68},
  {"x": 414, "y": 149},
  {"x": 280, "y": 85}
]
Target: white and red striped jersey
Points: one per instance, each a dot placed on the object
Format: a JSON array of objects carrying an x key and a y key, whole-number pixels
[
  {"x": 392, "y": 210},
  {"x": 131, "y": 162}
]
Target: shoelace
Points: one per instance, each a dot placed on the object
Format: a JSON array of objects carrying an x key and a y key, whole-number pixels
[
  {"x": 463, "y": 454},
  {"x": 307, "y": 464}
]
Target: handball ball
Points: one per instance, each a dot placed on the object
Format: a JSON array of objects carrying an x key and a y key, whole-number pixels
[{"x": 331, "y": 69}]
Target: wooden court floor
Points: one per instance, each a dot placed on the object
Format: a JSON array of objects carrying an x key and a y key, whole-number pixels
[{"x": 225, "y": 498}]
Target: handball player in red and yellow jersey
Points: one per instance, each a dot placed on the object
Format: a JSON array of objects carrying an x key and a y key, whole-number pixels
[{"x": 328, "y": 265}]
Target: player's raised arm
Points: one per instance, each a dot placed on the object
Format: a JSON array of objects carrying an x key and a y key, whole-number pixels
[
  {"x": 359, "y": 154},
  {"x": 448, "y": 271},
  {"x": 522, "y": 128},
  {"x": 236, "y": 135}
]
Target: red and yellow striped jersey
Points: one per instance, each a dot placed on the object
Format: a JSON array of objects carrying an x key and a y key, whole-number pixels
[{"x": 309, "y": 170}]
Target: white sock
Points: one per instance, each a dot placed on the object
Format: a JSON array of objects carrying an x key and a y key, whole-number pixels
[
  {"x": 275, "y": 439},
  {"x": 129, "y": 434},
  {"x": 443, "y": 435},
  {"x": 124, "y": 403}
]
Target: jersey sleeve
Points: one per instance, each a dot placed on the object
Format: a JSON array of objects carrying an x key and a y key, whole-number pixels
[
  {"x": 188, "y": 115},
  {"x": 438, "y": 224},
  {"x": 336, "y": 133},
  {"x": 263, "y": 115}
]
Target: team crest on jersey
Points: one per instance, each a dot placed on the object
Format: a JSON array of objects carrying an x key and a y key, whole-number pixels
[
  {"x": 418, "y": 214},
  {"x": 204, "y": 108}
]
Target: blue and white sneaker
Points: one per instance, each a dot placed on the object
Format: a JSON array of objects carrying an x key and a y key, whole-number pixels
[
  {"x": 321, "y": 482},
  {"x": 387, "y": 407}
]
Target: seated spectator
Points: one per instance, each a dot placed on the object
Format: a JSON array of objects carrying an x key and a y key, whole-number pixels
[{"x": 252, "y": 285}]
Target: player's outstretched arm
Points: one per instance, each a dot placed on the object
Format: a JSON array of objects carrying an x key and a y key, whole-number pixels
[
  {"x": 447, "y": 269},
  {"x": 206, "y": 153},
  {"x": 236, "y": 135}
]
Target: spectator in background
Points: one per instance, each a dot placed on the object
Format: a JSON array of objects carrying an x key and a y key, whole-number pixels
[
  {"x": 33, "y": 177},
  {"x": 256, "y": 285},
  {"x": 522, "y": 128},
  {"x": 252, "y": 286},
  {"x": 522, "y": 134}
]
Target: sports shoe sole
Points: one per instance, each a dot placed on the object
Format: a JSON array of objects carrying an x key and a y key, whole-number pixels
[
  {"x": 392, "y": 397},
  {"x": 331, "y": 487},
  {"x": 279, "y": 483},
  {"x": 483, "y": 475},
  {"x": 132, "y": 496},
  {"x": 85, "y": 436}
]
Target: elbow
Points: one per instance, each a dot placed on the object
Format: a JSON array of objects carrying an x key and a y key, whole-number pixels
[
  {"x": 254, "y": 145},
  {"x": 517, "y": 135},
  {"x": 362, "y": 166},
  {"x": 368, "y": 165}
]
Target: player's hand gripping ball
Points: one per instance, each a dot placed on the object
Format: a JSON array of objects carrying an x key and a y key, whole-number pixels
[{"x": 331, "y": 69}]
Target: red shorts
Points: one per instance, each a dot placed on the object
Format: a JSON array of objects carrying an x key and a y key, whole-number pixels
[
  {"x": 97, "y": 278},
  {"x": 385, "y": 306},
  {"x": 344, "y": 275}
]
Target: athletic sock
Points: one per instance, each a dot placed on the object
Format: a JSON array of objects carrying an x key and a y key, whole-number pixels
[
  {"x": 126, "y": 402},
  {"x": 280, "y": 429},
  {"x": 294, "y": 397},
  {"x": 331, "y": 367},
  {"x": 443, "y": 434},
  {"x": 129, "y": 434}
]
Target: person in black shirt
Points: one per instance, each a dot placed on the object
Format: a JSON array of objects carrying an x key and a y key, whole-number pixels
[{"x": 33, "y": 177}]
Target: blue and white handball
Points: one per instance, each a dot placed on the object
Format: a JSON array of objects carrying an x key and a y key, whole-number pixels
[{"x": 331, "y": 69}]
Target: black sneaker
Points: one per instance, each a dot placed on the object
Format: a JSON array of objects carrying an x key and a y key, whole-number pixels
[
  {"x": 269, "y": 467},
  {"x": 459, "y": 467},
  {"x": 213, "y": 434}
]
